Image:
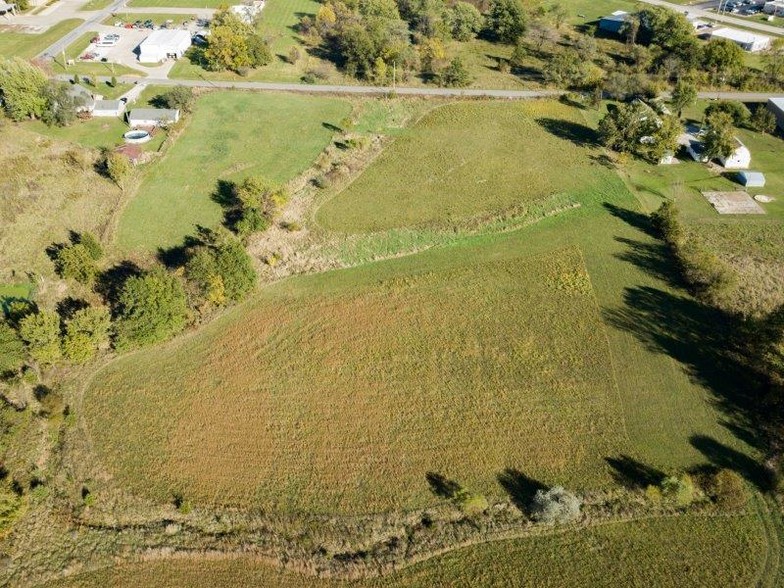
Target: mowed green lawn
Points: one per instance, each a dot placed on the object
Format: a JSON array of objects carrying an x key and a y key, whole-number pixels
[
  {"x": 29, "y": 45},
  {"x": 547, "y": 349},
  {"x": 231, "y": 135},
  {"x": 684, "y": 551},
  {"x": 463, "y": 160}
]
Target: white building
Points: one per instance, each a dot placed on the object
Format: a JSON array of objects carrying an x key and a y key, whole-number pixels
[
  {"x": 164, "y": 44},
  {"x": 739, "y": 159},
  {"x": 152, "y": 117},
  {"x": 776, "y": 8},
  {"x": 751, "y": 42},
  {"x": 776, "y": 106},
  {"x": 752, "y": 179},
  {"x": 108, "y": 108},
  {"x": 247, "y": 13}
]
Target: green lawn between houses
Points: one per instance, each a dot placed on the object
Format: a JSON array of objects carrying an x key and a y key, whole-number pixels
[{"x": 230, "y": 135}]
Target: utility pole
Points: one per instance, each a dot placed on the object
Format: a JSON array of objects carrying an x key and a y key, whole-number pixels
[
  {"x": 394, "y": 74},
  {"x": 65, "y": 63}
]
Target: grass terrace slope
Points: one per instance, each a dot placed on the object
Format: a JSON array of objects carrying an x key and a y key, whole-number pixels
[
  {"x": 469, "y": 159},
  {"x": 231, "y": 135},
  {"x": 688, "y": 551}
]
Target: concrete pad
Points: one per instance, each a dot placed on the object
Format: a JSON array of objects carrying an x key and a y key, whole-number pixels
[{"x": 733, "y": 203}]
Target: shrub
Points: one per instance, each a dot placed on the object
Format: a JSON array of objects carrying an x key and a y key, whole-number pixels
[
  {"x": 555, "y": 505},
  {"x": 653, "y": 494},
  {"x": 77, "y": 159},
  {"x": 470, "y": 503},
  {"x": 76, "y": 262},
  {"x": 763, "y": 120},
  {"x": 41, "y": 332},
  {"x": 118, "y": 167},
  {"x": 12, "y": 349},
  {"x": 23, "y": 87},
  {"x": 737, "y": 111},
  {"x": 729, "y": 490},
  {"x": 679, "y": 489},
  {"x": 86, "y": 332},
  {"x": 91, "y": 244},
  {"x": 179, "y": 97},
  {"x": 152, "y": 307}
]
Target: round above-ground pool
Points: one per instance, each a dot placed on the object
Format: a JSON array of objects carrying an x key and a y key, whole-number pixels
[{"x": 137, "y": 136}]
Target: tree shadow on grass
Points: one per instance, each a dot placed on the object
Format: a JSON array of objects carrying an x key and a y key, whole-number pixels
[
  {"x": 442, "y": 486},
  {"x": 110, "y": 282},
  {"x": 702, "y": 339},
  {"x": 723, "y": 456},
  {"x": 632, "y": 473},
  {"x": 225, "y": 196},
  {"x": 520, "y": 487},
  {"x": 571, "y": 131},
  {"x": 638, "y": 220},
  {"x": 652, "y": 257}
]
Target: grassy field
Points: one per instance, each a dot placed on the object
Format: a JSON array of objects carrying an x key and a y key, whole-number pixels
[
  {"x": 470, "y": 159},
  {"x": 76, "y": 49},
  {"x": 688, "y": 551},
  {"x": 29, "y": 45},
  {"x": 42, "y": 197},
  {"x": 548, "y": 350},
  {"x": 231, "y": 135}
]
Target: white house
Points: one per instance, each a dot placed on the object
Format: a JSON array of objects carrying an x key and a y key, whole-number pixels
[
  {"x": 751, "y": 42},
  {"x": 164, "y": 44},
  {"x": 247, "y": 12},
  {"x": 776, "y": 106},
  {"x": 752, "y": 179},
  {"x": 152, "y": 117},
  {"x": 108, "y": 108},
  {"x": 739, "y": 159}
]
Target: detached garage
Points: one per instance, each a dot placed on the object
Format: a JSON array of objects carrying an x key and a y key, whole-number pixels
[{"x": 164, "y": 44}]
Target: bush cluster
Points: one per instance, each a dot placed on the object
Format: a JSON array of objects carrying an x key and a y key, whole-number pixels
[{"x": 555, "y": 505}]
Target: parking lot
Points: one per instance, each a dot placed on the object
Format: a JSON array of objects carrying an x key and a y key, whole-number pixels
[{"x": 126, "y": 49}]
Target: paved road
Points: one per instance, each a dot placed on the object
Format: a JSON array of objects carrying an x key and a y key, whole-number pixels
[
  {"x": 741, "y": 22},
  {"x": 400, "y": 91},
  {"x": 88, "y": 25}
]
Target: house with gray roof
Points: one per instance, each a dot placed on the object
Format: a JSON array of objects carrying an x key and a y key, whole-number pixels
[
  {"x": 153, "y": 117},
  {"x": 108, "y": 108}
]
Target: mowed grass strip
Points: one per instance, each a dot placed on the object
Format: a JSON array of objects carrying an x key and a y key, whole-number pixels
[
  {"x": 463, "y": 160},
  {"x": 28, "y": 45},
  {"x": 683, "y": 551},
  {"x": 338, "y": 393},
  {"x": 231, "y": 135}
]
